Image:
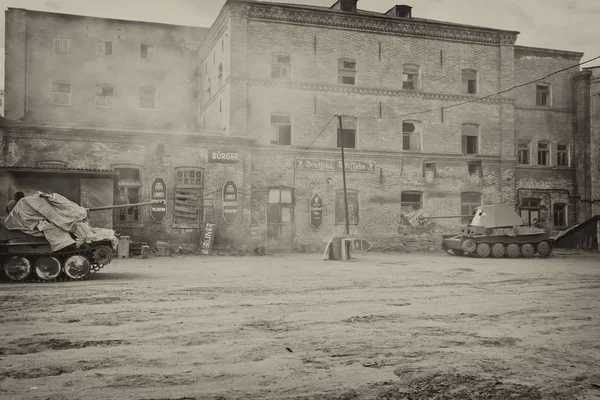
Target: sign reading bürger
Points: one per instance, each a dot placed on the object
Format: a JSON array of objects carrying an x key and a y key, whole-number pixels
[{"x": 223, "y": 156}]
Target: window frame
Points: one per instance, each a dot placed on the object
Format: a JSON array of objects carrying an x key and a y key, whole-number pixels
[
  {"x": 465, "y": 80},
  {"x": 418, "y": 133},
  {"x": 565, "y": 215},
  {"x": 276, "y": 65},
  {"x": 404, "y": 203},
  {"x": 346, "y": 72},
  {"x": 526, "y": 204},
  {"x": 103, "y": 85},
  {"x": 542, "y": 151},
  {"x": 520, "y": 149},
  {"x": 61, "y": 45},
  {"x": 128, "y": 184},
  {"x": 465, "y": 146},
  {"x": 61, "y": 94},
  {"x": 417, "y": 75},
  {"x": 339, "y": 133},
  {"x": 539, "y": 93},
  {"x": 101, "y": 50},
  {"x": 278, "y": 125},
  {"x": 340, "y": 212},
  {"x": 432, "y": 169},
  {"x": 150, "y": 51},
  {"x": 181, "y": 189},
  {"x": 566, "y": 152},
  {"x": 140, "y": 97}
]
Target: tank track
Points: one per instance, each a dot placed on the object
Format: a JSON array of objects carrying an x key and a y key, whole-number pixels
[
  {"x": 472, "y": 248},
  {"x": 62, "y": 277}
]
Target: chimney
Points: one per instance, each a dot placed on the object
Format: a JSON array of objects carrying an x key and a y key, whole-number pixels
[
  {"x": 400, "y": 11},
  {"x": 345, "y": 5}
]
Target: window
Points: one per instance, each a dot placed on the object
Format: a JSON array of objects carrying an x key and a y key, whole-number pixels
[
  {"x": 104, "y": 95},
  {"x": 281, "y": 129},
  {"x": 129, "y": 185},
  {"x": 469, "y": 81},
  {"x": 560, "y": 215},
  {"x": 340, "y": 208},
  {"x": 51, "y": 164},
  {"x": 523, "y": 152},
  {"x": 410, "y": 201},
  {"x": 61, "y": 45},
  {"x": 189, "y": 195},
  {"x": 61, "y": 93},
  {"x": 147, "y": 51},
  {"x": 411, "y": 135},
  {"x": 429, "y": 169},
  {"x": 410, "y": 77},
  {"x": 475, "y": 168},
  {"x": 348, "y": 133},
  {"x": 347, "y": 71},
  {"x": 103, "y": 49},
  {"x": 470, "y": 134},
  {"x": 281, "y": 66},
  {"x": 562, "y": 155},
  {"x": 543, "y": 95},
  {"x": 147, "y": 97},
  {"x": 280, "y": 217},
  {"x": 469, "y": 201},
  {"x": 530, "y": 211},
  {"x": 542, "y": 153}
]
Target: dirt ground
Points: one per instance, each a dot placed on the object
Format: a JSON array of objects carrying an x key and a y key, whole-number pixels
[{"x": 383, "y": 326}]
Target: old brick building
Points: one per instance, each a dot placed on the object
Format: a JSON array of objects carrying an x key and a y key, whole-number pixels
[{"x": 428, "y": 118}]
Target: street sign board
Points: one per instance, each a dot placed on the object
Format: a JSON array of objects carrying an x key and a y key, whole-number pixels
[
  {"x": 320, "y": 164},
  {"x": 230, "y": 202},
  {"x": 208, "y": 238},
  {"x": 361, "y": 244},
  {"x": 316, "y": 212},
  {"x": 158, "y": 194}
]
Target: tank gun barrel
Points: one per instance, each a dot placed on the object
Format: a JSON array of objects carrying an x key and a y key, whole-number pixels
[{"x": 147, "y": 203}]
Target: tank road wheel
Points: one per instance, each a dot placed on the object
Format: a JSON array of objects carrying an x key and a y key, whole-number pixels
[
  {"x": 469, "y": 246},
  {"x": 512, "y": 250},
  {"x": 17, "y": 268},
  {"x": 527, "y": 250},
  {"x": 544, "y": 248},
  {"x": 47, "y": 268},
  {"x": 103, "y": 255},
  {"x": 498, "y": 250},
  {"x": 483, "y": 250},
  {"x": 77, "y": 267}
]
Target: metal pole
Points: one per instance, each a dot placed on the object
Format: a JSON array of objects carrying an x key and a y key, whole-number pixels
[{"x": 347, "y": 231}]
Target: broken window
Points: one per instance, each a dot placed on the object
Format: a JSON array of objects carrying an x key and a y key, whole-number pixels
[
  {"x": 470, "y": 134},
  {"x": 475, "y": 168},
  {"x": 61, "y": 93},
  {"x": 349, "y": 133},
  {"x": 340, "y": 210},
  {"x": 469, "y": 81},
  {"x": 429, "y": 169},
  {"x": 347, "y": 71},
  {"x": 189, "y": 195},
  {"x": 103, "y": 48},
  {"x": 129, "y": 186},
  {"x": 410, "y": 201},
  {"x": 411, "y": 135},
  {"x": 281, "y": 129},
  {"x": 543, "y": 95},
  {"x": 105, "y": 94},
  {"x": 469, "y": 201},
  {"x": 410, "y": 77},
  {"x": 560, "y": 215},
  {"x": 530, "y": 211},
  {"x": 523, "y": 152},
  {"x": 147, "y": 97},
  {"x": 542, "y": 153},
  {"x": 147, "y": 51},
  {"x": 281, "y": 66},
  {"x": 61, "y": 45},
  {"x": 562, "y": 154}
]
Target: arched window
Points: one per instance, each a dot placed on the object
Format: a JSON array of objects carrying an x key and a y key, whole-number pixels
[{"x": 411, "y": 135}]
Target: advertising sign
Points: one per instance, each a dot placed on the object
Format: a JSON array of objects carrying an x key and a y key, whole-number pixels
[
  {"x": 208, "y": 238},
  {"x": 230, "y": 202},
  {"x": 158, "y": 194},
  {"x": 316, "y": 212},
  {"x": 318, "y": 164},
  {"x": 223, "y": 156}
]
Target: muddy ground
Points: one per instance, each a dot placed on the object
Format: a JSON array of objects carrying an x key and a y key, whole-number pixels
[{"x": 384, "y": 326}]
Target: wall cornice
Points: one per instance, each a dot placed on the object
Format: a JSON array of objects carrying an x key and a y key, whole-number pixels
[
  {"x": 370, "y": 23},
  {"x": 348, "y": 89},
  {"x": 525, "y": 51}
]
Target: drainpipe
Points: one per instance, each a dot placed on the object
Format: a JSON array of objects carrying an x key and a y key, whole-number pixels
[{"x": 26, "y": 103}]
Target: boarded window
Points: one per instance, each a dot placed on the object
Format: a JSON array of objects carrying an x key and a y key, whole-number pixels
[
  {"x": 410, "y": 201},
  {"x": 61, "y": 93},
  {"x": 411, "y": 135},
  {"x": 148, "y": 97},
  {"x": 348, "y": 131},
  {"x": 340, "y": 211},
  {"x": 129, "y": 186},
  {"x": 105, "y": 94},
  {"x": 347, "y": 71},
  {"x": 469, "y": 81},
  {"x": 189, "y": 195},
  {"x": 410, "y": 77},
  {"x": 281, "y": 129},
  {"x": 281, "y": 66},
  {"x": 469, "y": 201}
]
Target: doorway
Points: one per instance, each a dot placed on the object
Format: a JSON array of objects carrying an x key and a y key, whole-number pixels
[{"x": 280, "y": 217}]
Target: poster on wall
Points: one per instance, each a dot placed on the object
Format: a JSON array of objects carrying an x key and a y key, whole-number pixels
[
  {"x": 158, "y": 194},
  {"x": 230, "y": 202},
  {"x": 316, "y": 212}
]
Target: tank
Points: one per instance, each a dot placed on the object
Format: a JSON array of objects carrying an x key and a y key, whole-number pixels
[
  {"x": 498, "y": 231},
  {"x": 28, "y": 258}
]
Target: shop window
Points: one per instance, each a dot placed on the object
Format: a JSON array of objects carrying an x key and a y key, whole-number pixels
[
  {"x": 281, "y": 129},
  {"x": 281, "y": 66},
  {"x": 562, "y": 155},
  {"x": 347, "y": 71},
  {"x": 410, "y": 201},
  {"x": 560, "y": 215},
  {"x": 129, "y": 185},
  {"x": 348, "y": 131},
  {"x": 543, "y": 153},
  {"x": 410, "y": 77},
  {"x": 469, "y": 81},
  {"x": 189, "y": 196},
  {"x": 470, "y": 139},
  {"x": 340, "y": 211},
  {"x": 469, "y": 201},
  {"x": 411, "y": 135},
  {"x": 523, "y": 150},
  {"x": 530, "y": 211}
]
